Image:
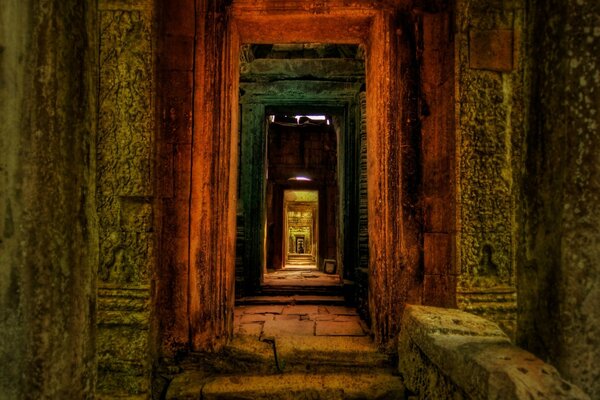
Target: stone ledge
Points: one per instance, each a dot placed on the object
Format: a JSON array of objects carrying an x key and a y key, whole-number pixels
[{"x": 453, "y": 354}]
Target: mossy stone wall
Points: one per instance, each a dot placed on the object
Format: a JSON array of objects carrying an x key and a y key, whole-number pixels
[
  {"x": 48, "y": 233},
  {"x": 559, "y": 275}
]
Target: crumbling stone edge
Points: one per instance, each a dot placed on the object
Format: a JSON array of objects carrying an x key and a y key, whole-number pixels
[{"x": 451, "y": 354}]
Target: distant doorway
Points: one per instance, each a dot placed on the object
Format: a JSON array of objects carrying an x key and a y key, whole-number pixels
[{"x": 301, "y": 228}]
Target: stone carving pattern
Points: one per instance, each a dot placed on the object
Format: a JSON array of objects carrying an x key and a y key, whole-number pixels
[
  {"x": 488, "y": 127},
  {"x": 125, "y": 145}
]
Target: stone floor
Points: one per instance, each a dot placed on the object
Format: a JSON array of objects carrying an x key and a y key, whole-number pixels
[
  {"x": 292, "y": 351},
  {"x": 298, "y": 320},
  {"x": 300, "y": 277}
]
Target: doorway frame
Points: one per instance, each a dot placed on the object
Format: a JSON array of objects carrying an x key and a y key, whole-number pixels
[
  {"x": 315, "y": 234},
  {"x": 394, "y": 241}
]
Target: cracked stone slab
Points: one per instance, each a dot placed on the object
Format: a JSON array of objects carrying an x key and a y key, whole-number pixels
[
  {"x": 304, "y": 386},
  {"x": 341, "y": 310},
  {"x": 253, "y": 329},
  {"x": 289, "y": 327},
  {"x": 339, "y": 328},
  {"x": 301, "y": 310},
  {"x": 274, "y": 309}
]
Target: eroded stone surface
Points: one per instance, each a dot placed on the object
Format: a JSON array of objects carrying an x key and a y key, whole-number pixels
[
  {"x": 339, "y": 328},
  {"x": 559, "y": 280},
  {"x": 301, "y": 386},
  {"x": 125, "y": 189},
  {"x": 443, "y": 352},
  {"x": 48, "y": 225},
  {"x": 490, "y": 131},
  {"x": 270, "y": 309},
  {"x": 289, "y": 327},
  {"x": 301, "y": 310}
]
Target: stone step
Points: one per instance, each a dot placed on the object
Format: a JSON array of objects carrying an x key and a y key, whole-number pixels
[
  {"x": 296, "y": 299},
  {"x": 331, "y": 386},
  {"x": 300, "y": 289},
  {"x": 248, "y": 355}
]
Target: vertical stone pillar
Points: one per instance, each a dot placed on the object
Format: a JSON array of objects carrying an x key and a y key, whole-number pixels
[
  {"x": 214, "y": 178},
  {"x": 436, "y": 52},
  {"x": 48, "y": 231},
  {"x": 394, "y": 239},
  {"x": 362, "y": 270},
  {"x": 252, "y": 191},
  {"x": 175, "y": 86},
  {"x": 559, "y": 271},
  {"x": 489, "y": 98},
  {"x": 126, "y": 197}
]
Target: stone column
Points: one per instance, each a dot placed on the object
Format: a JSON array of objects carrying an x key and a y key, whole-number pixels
[
  {"x": 126, "y": 197},
  {"x": 252, "y": 191},
  {"x": 489, "y": 128},
  {"x": 394, "y": 231},
  {"x": 213, "y": 177},
  {"x": 48, "y": 228}
]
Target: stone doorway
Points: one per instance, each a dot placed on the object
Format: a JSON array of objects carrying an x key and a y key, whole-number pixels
[
  {"x": 395, "y": 271},
  {"x": 301, "y": 228},
  {"x": 299, "y": 130}
]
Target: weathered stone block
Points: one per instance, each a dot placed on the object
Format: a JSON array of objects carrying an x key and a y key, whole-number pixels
[
  {"x": 449, "y": 352},
  {"x": 117, "y": 343},
  {"x": 126, "y": 257},
  {"x": 136, "y": 214},
  {"x": 126, "y": 119},
  {"x": 289, "y": 327},
  {"x": 491, "y": 50},
  {"x": 339, "y": 328}
]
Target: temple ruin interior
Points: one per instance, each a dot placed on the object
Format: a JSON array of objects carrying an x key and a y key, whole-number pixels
[{"x": 294, "y": 199}]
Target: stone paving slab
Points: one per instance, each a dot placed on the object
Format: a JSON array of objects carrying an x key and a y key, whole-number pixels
[
  {"x": 341, "y": 310},
  {"x": 334, "y": 328},
  {"x": 324, "y": 317},
  {"x": 287, "y": 317},
  {"x": 247, "y": 318},
  {"x": 301, "y": 310},
  {"x": 303, "y": 320},
  {"x": 273, "y": 309},
  {"x": 253, "y": 329},
  {"x": 289, "y": 327}
]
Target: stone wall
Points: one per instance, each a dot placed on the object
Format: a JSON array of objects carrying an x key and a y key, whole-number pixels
[
  {"x": 125, "y": 197},
  {"x": 450, "y": 354},
  {"x": 559, "y": 277},
  {"x": 48, "y": 234},
  {"x": 489, "y": 107}
]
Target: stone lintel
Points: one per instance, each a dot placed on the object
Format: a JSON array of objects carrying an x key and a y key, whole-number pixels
[
  {"x": 273, "y": 69},
  {"x": 282, "y": 92}
]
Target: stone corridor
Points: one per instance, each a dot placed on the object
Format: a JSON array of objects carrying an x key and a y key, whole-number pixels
[{"x": 163, "y": 161}]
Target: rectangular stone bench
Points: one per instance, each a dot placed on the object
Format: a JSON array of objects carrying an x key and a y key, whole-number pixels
[{"x": 451, "y": 354}]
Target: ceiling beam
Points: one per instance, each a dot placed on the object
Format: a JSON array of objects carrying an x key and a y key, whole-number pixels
[{"x": 266, "y": 69}]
